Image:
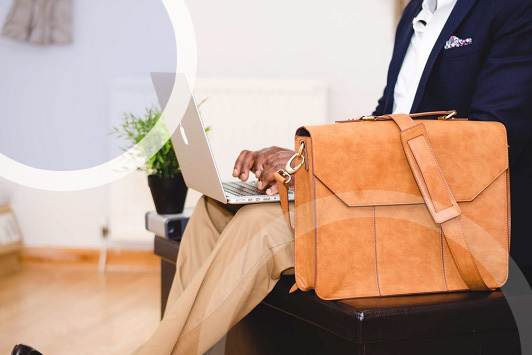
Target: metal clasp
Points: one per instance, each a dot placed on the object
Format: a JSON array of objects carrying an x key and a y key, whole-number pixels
[
  {"x": 449, "y": 116},
  {"x": 288, "y": 170},
  {"x": 301, "y": 156}
]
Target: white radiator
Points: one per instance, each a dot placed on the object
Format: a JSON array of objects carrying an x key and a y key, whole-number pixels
[{"x": 128, "y": 201}]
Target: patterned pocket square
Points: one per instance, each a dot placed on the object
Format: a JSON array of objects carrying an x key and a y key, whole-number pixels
[{"x": 455, "y": 42}]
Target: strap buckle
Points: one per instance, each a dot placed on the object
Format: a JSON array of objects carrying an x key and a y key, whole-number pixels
[{"x": 287, "y": 177}]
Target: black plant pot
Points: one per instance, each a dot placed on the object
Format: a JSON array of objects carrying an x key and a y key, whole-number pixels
[{"x": 168, "y": 193}]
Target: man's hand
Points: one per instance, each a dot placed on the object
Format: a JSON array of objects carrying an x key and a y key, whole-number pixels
[{"x": 263, "y": 163}]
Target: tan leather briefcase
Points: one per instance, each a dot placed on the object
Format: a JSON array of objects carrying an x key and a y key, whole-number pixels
[{"x": 392, "y": 205}]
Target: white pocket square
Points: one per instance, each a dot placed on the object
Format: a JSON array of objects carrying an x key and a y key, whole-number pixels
[{"x": 455, "y": 42}]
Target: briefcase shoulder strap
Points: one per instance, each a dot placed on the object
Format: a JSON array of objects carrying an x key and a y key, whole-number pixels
[
  {"x": 285, "y": 206},
  {"x": 438, "y": 197},
  {"x": 283, "y": 197}
]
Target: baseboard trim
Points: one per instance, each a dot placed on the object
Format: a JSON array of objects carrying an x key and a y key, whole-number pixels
[
  {"x": 9, "y": 263},
  {"x": 115, "y": 256}
]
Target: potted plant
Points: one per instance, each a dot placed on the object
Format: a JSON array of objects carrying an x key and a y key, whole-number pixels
[{"x": 167, "y": 186}]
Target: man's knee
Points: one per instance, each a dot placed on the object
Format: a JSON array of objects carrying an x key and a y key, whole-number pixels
[
  {"x": 260, "y": 213},
  {"x": 266, "y": 220},
  {"x": 218, "y": 213}
]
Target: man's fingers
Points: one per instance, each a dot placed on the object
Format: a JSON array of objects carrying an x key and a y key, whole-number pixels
[
  {"x": 274, "y": 163},
  {"x": 258, "y": 166},
  {"x": 258, "y": 162},
  {"x": 263, "y": 184},
  {"x": 258, "y": 171},
  {"x": 246, "y": 165},
  {"x": 238, "y": 164},
  {"x": 262, "y": 159},
  {"x": 266, "y": 179},
  {"x": 274, "y": 189}
]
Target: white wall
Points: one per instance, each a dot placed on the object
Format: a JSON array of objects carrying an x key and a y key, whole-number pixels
[{"x": 345, "y": 43}]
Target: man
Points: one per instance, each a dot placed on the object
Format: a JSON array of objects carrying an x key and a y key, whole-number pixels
[{"x": 474, "y": 56}]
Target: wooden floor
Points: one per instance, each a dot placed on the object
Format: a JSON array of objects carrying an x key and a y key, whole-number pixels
[{"x": 72, "y": 309}]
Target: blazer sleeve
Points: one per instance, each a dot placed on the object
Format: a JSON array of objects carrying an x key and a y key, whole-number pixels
[
  {"x": 379, "y": 111},
  {"x": 503, "y": 91}
]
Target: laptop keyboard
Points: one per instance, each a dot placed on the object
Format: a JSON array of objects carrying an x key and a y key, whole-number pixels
[{"x": 239, "y": 188}]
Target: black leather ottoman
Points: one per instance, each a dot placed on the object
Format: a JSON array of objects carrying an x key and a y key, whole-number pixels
[{"x": 301, "y": 323}]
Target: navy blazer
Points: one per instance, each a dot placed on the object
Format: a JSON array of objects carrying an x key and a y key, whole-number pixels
[{"x": 491, "y": 80}]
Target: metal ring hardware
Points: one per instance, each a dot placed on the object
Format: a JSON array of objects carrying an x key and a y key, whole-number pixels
[
  {"x": 299, "y": 154},
  {"x": 286, "y": 175},
  {"x": 450, "y": 116}
]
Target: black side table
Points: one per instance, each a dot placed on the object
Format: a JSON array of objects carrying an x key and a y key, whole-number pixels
[
  {"x": 167, "y": 250},
  {"x": 168, "y": 230}
]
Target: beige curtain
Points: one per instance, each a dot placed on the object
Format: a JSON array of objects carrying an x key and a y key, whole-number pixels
[{"x": 40, "y": 21}]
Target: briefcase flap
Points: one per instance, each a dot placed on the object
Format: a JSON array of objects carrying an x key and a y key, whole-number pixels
[{"x": 363, "y": 163}]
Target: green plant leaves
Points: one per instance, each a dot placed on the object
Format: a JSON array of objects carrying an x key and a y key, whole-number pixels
[{"x": 134, "y": 129}]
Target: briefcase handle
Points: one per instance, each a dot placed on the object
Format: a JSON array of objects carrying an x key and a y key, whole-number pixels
[{"x": 442, "y": 115}]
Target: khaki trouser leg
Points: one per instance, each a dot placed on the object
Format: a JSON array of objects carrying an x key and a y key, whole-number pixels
[
  {"x": 203, "y": 230},
  {"x": 247, "y": 259}
]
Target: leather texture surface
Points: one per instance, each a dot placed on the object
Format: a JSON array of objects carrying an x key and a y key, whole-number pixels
[{"x": 401, "y": 206}]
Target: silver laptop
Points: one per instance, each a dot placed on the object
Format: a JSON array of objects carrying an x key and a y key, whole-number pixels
[{"x": 194, "y": 152}]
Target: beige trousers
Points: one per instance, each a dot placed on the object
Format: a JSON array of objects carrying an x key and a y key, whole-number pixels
[{"x": 228, "y": 262}]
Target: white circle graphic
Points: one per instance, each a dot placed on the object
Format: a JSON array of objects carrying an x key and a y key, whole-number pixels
[{"x": 136, "y": 156}]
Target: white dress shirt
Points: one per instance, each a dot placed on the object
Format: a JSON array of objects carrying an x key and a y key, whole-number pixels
[{"x": 428, "y": 25}]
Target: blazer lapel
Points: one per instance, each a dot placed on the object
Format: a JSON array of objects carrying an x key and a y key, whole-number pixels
[
  {"x": 460, "y": 11},
  {"x": 402, "y": 44}
]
